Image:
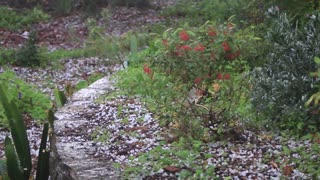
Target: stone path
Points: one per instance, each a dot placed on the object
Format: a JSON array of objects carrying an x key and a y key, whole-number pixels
[{"x": 74, "y": 159}]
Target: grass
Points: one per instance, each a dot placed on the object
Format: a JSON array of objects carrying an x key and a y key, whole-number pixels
[{"x": 13, "y": 20}]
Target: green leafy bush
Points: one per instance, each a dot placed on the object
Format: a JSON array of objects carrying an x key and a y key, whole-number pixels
[
  {"x": 281, "y": 88},
  {"x": 25, "y": 96},
  {"x": 314, "y": 100},
  {"x": 12, "y": 20}
]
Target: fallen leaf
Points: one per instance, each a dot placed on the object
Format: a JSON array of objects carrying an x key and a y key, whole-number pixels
[
  {"x": 172, "y": 169},
  {"x": 287, "y": 170},
  {"x": 142, "y": 128},
  {"x": 274, "y": 165}
]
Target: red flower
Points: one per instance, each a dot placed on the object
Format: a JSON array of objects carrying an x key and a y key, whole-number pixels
[
  {"x": 226, "y": 76},
  {"x": 165, "y": 42},
  {"x": 219, "y": 76},
  {"x": 199, "y": 48},
  {"x": 184, "y": 36},
  {"x": 180, "y": 50},
  {"x": 177, "y": 53},
  {"x": 231, "y": 56},
  {"x": 147, "y": 69},
  {"x": 225, "y": 46},
  {"x": 230, "y": 26},
  {"x": 212, "y": 33},
  {"x": 197, "y": 80},
  {"x": 186, "y": 47}
]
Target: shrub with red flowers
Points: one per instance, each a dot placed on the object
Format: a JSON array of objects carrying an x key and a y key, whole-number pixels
[
  {"x": 206, "y": 60},
  {"x": 184, "y": 36},
  {"x": 147, "y": 69},
  {"x": 194, "y": 76},
  {"x": 206, "y": 51}
]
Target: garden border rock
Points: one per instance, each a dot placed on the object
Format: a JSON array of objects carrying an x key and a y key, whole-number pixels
[{"x": 71, "y": 160}]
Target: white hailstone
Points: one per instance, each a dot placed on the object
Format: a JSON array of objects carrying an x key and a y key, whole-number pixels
[
  {"x": 244, "y": 173},
  {"x": 296, "y": 155},
  {"x": 25, "y": 34},
  {"x": 160, "y": 171},
  {"x": 224, "y": 163},
  {"x": 233, "y": 171},
  {"x": 233, "y": 156},
  {"x": 147, "y": 117}
]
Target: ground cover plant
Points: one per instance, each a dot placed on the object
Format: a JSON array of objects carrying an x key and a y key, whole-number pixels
[{"x": 26, "y": 97}]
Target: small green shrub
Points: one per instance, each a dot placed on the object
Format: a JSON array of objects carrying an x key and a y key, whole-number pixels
[
  {"x": 281, "y": 88},
  {"x": 29, "y": 54},
  {"x": 25, "y": 96},
  {"x": 7, "y": 56}
]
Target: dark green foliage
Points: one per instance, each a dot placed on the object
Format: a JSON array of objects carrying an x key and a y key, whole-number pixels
[
  {"x": 19, "y": 135},
  {"x": 63, "y": 7},
  {"x": 51, "y": 117},
  {"x": 14, "y": 170},
  {"x": 43, "y": 158},
  {"x": 90, "y": 7},
  {"x": 29, "y": 55},
  {"x": 130, "y": 3},
  {"x": 18, "y": 156},
  {"x": 7, "y": 56},
  {"x": 60, "y": 97},
  {"x": 282, "y": 87}
]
